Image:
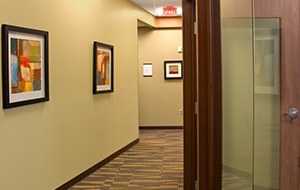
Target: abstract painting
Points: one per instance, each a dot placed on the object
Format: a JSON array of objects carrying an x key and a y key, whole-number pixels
[
  {"x": 24, "y": 66},
  {"x": 103, "y": 68},
  {"x": 173, "y": 69}
]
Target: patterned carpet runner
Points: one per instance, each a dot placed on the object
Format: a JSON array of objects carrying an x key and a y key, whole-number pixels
[{"x": 156, "y": 162}]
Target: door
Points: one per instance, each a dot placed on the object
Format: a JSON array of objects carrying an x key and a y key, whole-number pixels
[
  {"x": 260, "y": 44},
  {"x": 264, "y": 140},
  {"x": 289, "y": 15}
]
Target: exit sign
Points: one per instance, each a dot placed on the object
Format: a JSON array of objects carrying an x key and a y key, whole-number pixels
[{"x": 170, "y": 11}]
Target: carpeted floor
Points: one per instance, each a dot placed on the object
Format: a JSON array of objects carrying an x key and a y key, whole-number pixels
[{"x": 154, "y": 163}]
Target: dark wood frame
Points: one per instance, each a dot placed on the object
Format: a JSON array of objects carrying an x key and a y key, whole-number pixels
[
  {"x": 202, "y": 94},
  {"x": 111, "y": 48},
  {"x": 190, "y": 92},
  {"x": 172, "y": 62},
  {"x": 6, "y": 30},
  {"x": 209, "y": 95}
]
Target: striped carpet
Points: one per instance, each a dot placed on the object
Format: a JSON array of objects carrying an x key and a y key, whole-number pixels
[{"x": 156, "y": 162}]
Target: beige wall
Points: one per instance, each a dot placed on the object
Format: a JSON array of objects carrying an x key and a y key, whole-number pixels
[
  {"x": 46, "y": 144},
  {"x": 159, "y": 99}
]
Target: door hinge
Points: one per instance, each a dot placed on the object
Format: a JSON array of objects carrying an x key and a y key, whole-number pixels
[
  {"x": 196, "y": 108},
  {"x": 298, "y": 161},
  {"x": 196, "y": 185},
  {"x": 195, "y": 28}
]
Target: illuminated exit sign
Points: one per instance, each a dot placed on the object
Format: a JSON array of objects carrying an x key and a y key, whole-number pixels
[{"x": 170, "y": 11}]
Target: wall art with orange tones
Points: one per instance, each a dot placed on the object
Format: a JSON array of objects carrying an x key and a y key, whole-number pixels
[
  {"x": 103, "y": 68},
  {"x": 24, "y": 66},
  {"x": 173, "y": 70}
]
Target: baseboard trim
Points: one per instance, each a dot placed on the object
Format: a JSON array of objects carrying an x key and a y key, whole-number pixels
[
  {"x": 160, "y": 127},
  {"x": 91, "y": 170},
  {"x": 245, "y": 175},
  {"x": 237, "y": 172},
  {"x": 257, "y": 187}
]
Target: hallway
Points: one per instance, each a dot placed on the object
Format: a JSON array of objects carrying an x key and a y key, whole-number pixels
[{"x": 156, "y": 162}]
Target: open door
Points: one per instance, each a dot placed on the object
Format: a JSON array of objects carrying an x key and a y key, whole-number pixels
[
  {"x": 260, "y": 94},
  {"x": 288, "y": 14},
  {"x": 253, "y": 96}
]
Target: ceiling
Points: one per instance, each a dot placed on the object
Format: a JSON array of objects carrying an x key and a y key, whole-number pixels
[{"x": 151, "y": 5}]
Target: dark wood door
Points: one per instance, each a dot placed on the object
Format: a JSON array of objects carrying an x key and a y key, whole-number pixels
[
  {"x": 190, "y": 91},
  {"x": 289, "y": 13},
  {"x": 207, "y": 54}
]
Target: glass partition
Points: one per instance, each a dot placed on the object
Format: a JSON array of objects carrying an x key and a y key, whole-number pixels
[
  {"x": 251, "y": 98},
  {"x": 266, "y": 103},
  {"x": 237, "y": 73}
]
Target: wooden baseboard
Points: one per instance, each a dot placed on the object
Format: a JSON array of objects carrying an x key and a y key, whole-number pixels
[
  {"x": 160, "y": 127},
  {"x": 245, "y": 175},
  {"x": 89, "y": 171},
  {"x": 237, "y": 172}
]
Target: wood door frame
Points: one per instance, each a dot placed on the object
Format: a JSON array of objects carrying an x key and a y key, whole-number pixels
[
  {"x": 202, "y": 82},
  {"x": 209, "y": 95},
  {"x": 190, "y": 91}
]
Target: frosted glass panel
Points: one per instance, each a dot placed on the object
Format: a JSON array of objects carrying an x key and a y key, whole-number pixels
[
  {"x": 266, "y": 103},
  {"x": 237, "y": 73},
  {"x": 251, "y": 98}
]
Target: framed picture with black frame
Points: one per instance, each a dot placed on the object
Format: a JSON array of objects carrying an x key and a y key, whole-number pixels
[
  {"x": 173, "y": 69},
  {"x": 103, "y": 68},
  {"x": 25, "y": 78}
]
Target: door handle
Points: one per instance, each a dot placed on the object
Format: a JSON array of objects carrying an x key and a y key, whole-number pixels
[{"x": 292, "y": 114}]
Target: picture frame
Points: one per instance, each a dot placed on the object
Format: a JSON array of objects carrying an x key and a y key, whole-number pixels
[
  {"x": 103, "y": 68},
  {"x": 267, "y": 61},
  {"x": 147, "y": 70},
  {"x": 25, "y": 78},
  {"x": 173, "y": 69}
]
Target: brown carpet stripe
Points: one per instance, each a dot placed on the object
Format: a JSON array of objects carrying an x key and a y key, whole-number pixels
[{"x": 156, "y": 162}]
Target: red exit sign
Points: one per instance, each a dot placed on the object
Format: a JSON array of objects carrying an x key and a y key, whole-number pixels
[{"x": 170, "y": 11}]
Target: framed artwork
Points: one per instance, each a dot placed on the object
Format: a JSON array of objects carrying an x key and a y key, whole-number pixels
[
  {"x": 24, "y": 66},
  {"x": 147, "y": 69},
  {"x": 267, "y": 62},
  {"x": 103, "y": 75},
  {"x": 173, "y": 70}
]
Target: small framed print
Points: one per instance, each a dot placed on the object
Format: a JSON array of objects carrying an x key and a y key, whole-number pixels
[
  {"x": 147, "y": 69},
  {"x": 173, "y": 70},
  {"x": 24, "y": 66},
  {"x": 103, "y": 75}
]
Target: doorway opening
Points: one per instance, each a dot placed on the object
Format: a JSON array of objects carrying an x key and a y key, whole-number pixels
[
  {"x": 161, "y": 91},
  {"x": 160, "y": 75}
]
